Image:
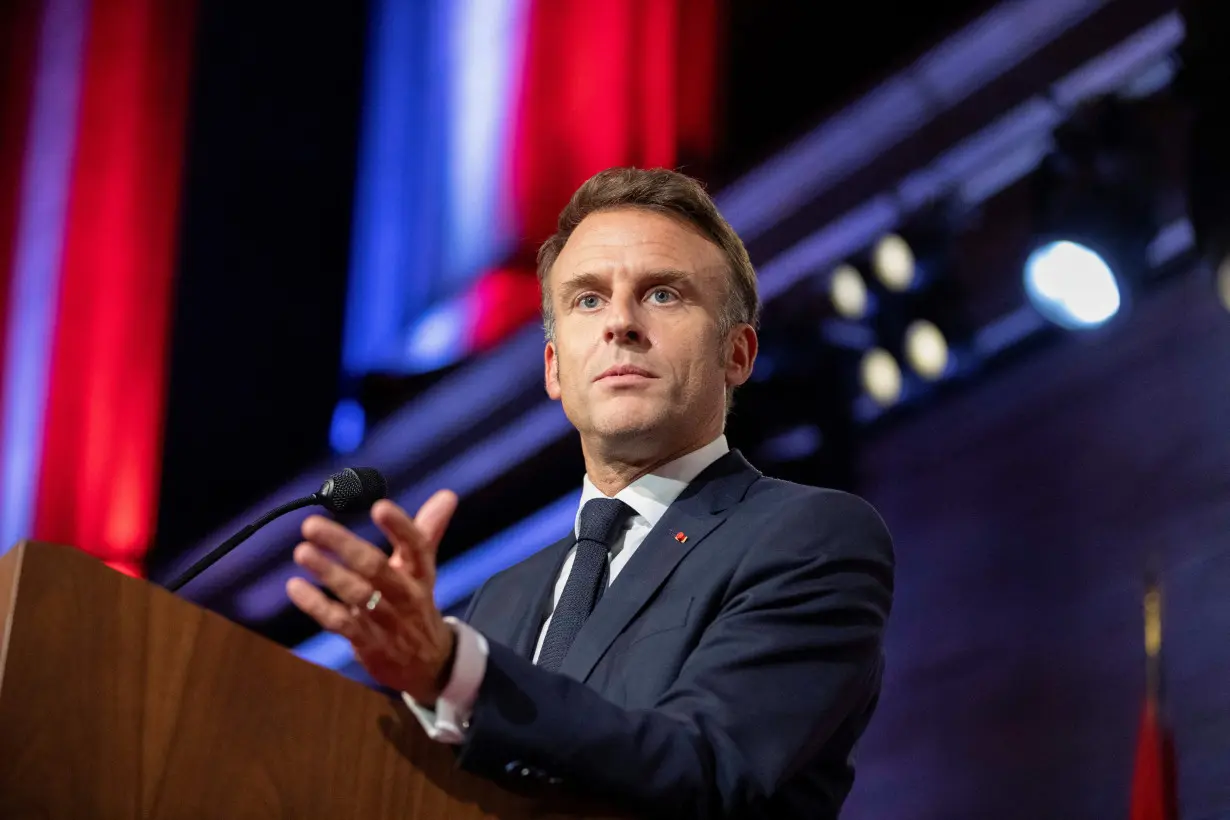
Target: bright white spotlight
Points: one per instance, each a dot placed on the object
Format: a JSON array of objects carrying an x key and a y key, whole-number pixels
[
  {"x": 881, "y": 376},
  {"x": 1071, "y": 285},
  {"x": 849, "y": 292},
  {"x": 893, "y": 262},
  {"x": 1223, "y": 282},
  {"x": 926, "y": 349}
]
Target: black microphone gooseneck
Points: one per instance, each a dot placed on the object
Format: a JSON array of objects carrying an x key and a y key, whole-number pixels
[
  {"x": 354, "y": 489},
  {"x": 238, "y": 538}
]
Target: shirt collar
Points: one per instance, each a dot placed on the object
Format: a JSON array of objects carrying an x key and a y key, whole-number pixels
[{"x": 651, "y": 494}]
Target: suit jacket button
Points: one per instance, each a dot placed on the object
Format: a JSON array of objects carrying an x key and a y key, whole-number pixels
[{"x": 514, "y": 767}]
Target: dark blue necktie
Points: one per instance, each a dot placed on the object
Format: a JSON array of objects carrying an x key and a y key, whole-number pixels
[{"x": 601, "y": 519}]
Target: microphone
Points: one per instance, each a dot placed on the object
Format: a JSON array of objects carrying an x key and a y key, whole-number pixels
[{"x": 354, "y": 489}]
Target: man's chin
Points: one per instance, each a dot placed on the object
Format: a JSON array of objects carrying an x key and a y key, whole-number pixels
[{"x": 629, "y": 425}]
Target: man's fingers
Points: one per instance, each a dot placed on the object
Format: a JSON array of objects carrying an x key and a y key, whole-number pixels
[
  {"x": 415, "y": 540},
  {"x": 330, "y": 615},
  {"x": 404, "y": 536},
  {"x": 349, "y": 586},
  {"x": 355, "y": 622},
  {"x": 434, "y": 516},
  {"x": 356, "y": 553}
]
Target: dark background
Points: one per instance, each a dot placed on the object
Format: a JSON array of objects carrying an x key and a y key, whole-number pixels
[{"x": 1024, "y": 512}]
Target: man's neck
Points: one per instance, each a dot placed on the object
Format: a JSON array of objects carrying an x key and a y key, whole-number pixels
[{"x": 611, "y": 470}]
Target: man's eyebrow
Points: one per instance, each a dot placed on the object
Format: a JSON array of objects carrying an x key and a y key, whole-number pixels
[
  {"x": 595, "y": 281},
  {"x": 580, "y": 282},
  {"x": 668, "y": 276}
]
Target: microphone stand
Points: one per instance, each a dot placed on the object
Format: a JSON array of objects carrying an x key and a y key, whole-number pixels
[{"x": 239, "y": 537}]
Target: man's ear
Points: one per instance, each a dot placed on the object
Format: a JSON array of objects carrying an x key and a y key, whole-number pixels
[
  {"x": 741, "y": 355},
  {"x": 550, "y": 362}
]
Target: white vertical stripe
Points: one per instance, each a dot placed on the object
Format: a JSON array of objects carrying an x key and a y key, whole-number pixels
[{"x": 486, "y": 38}]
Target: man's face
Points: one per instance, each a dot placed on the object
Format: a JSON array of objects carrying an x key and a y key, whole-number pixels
[{"x": 637, "y": 360}]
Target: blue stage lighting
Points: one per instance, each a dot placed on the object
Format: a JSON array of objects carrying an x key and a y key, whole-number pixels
[
  {"x": 1071, "y": 285},
  {"x": 349, "y": 426}
]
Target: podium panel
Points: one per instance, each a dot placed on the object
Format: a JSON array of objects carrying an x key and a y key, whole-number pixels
[{"x": 121, "y": 700}]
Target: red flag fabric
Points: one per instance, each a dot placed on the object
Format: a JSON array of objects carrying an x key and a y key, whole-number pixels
[{"x": 1153, "y": 784}]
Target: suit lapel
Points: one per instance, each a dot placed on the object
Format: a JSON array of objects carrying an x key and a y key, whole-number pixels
[
  {"x": 524, "y": 638},
  {"x": 702, "y": 507}
]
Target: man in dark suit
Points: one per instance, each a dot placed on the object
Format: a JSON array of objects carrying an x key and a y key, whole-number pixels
[{"x": 707, "y": 642}]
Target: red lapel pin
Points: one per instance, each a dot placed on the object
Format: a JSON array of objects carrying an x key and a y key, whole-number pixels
[{"x": 680, "y": 537}]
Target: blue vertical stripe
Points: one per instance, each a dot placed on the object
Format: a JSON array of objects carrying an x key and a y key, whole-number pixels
[
  {"x": 397, "y": 190},
  {"x": 45, "y": 183},
  {"x": 432, "y": 176}
]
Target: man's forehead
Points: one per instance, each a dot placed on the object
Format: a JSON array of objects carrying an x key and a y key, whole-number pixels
[{"x": 637, "y": 242}]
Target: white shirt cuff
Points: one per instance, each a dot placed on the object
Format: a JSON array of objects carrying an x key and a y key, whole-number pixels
[{"x": 450, "y": 718}]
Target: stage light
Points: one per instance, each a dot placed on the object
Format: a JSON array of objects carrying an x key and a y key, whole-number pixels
[
  {"x": 1096, "y": 210},
  {"x": 848, "y": 292},
  {"x": 1071, "y": 285},
  {"x": 893, "y": 263},
  {"x": 926, "y": 349},
  {"x": 881, "y": 377},
  {"x": 1223, "y": 282}
]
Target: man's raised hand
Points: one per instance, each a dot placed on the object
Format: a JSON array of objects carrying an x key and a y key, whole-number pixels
[{"x": 386, "y": 605}]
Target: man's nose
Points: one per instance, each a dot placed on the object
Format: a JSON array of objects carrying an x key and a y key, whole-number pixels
[{"x": 623, "y": 320}]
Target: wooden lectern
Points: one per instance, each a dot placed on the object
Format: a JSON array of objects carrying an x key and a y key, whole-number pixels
[{"x": 120, "y": 700}]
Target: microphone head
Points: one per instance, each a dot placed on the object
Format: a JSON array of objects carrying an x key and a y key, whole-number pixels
[{"x": 354, "y": 489}]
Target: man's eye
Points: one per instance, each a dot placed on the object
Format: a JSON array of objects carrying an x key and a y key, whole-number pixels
[
  {"x": 662, "y": 296},
  {"x": 589, "y": 301}
]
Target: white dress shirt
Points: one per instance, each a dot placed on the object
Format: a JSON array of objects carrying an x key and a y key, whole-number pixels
[{"x": 649, "y": 497}]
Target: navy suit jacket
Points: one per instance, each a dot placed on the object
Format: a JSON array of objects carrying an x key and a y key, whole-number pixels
[{"x": 726, "y": 674}]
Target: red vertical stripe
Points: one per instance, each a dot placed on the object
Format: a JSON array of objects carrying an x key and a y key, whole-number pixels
[
  {"x": 19, "y": 37},
  {"x": 99, "y": 477},
  {"x": 573, "y": 116},
  {"x": 619, "y": 82},
  {"x": 612, "y": 83},
  {"x": 658, "y": 90},
  {"x": 701, "y": 29}
]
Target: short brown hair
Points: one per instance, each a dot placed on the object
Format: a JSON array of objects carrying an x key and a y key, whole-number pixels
[{"x": 672, "y": 194}]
